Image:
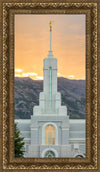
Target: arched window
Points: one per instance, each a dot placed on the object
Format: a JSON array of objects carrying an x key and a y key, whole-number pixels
[
  {"x": 49, "y": 154},
  {"x": 49, "y": 135},
  {"x": 79, "y": 156}
]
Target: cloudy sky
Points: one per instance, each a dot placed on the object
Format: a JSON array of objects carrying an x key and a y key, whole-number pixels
[{"x": 32, "y": 40}]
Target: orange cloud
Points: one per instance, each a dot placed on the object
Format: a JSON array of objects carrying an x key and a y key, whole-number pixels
[
  {"x": 71, "y": 76},
  {"x": 18, "y": 70},
  {"x": 17, "y": 75},
  {"x": 40, "y": 77}
]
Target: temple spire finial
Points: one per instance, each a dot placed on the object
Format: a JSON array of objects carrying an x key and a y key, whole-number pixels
[
  {"x": 50, "y": 51},
  {"x": 50, "y": 34}
]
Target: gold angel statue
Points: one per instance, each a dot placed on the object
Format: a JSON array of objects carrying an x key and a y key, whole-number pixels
[{"x": 50, "y": 25}]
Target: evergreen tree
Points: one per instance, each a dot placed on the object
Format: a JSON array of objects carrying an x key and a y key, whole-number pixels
[{"x": 19, "y": 144}]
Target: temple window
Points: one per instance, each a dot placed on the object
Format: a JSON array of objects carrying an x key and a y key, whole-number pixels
[{"x": 50, "y": 135}]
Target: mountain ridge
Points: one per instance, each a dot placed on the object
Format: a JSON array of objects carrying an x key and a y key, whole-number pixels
[{"x": 27, "y": 96}]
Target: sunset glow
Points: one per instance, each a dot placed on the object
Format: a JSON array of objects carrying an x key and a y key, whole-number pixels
[
  {"x": 32, "y": 45},
  {"x": 19, "y": 73},
  {"x": 36, "y": 77}
]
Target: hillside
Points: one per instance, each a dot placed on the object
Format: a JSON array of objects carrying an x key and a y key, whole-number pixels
[{"x": 27, "y": 95}]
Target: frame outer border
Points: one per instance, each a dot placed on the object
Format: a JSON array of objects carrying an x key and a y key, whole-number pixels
[{"x": 5, "y": 94}]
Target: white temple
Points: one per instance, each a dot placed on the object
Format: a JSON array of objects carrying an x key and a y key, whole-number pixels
[{"x": 50, "y": 132}]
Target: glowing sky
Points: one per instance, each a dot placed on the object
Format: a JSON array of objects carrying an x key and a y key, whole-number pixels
[{"x": 32, "y": 44}]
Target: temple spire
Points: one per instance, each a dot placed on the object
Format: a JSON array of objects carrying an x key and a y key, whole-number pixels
[{"x": 50, "y": 51}]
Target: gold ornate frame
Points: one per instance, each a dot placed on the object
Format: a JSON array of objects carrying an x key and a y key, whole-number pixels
[{"x": 8, "y": 9}]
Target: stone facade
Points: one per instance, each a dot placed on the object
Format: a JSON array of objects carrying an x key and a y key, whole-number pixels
[{"x": 34, "y": 143}]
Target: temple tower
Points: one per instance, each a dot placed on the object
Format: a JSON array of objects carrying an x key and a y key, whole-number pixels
[
  {"x": 50, "y": 99},
  {"x": 49, "y": 122}
]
